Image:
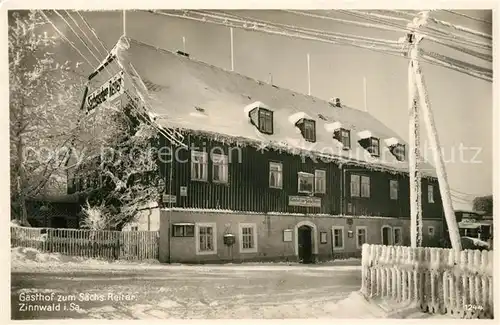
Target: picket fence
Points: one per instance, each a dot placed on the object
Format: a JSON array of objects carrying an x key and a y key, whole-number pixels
[
  {"x": 111, "y": 245},
  {"x": 439, "y": 280}
]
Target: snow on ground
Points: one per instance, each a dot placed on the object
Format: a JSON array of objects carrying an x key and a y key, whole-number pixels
[{"x": 159, "y": 291}]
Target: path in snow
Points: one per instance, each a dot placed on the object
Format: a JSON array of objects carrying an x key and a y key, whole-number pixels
[{"x": 192, "y": 292}]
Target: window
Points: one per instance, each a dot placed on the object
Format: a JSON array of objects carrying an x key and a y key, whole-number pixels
[
  {"x": 199, "y": 166},
  {"x": 374, "y": 147},
  {"x": 220, "y": 169},
  {"x": 206, "y": 242},
  {"x": 265, "y": 121},
  {"x": 308, "y": 129},
  {"x": 430, "y": 231},
  {"x": 182, "y": 230},
  {"x": 275, "y": 175},
  {"x": 344, "y": 137},
  {"x": 393, "y": 189},
  {"x": 248, "y": 237},
  {"x": 355, "y": 181},
  {"x": 430, "y": 193},
  {"x": 306, "y": 182},
  {"x": 398, "y": 151},
  {"x": 320, "y": 181},
  {"x": 365, "y": 186},
  {"x": 134, "y": 228},
  {"x": 398, "y": 236},
  {"x": 360, "y": 236},
  {"x": 338, "y": 237},
  {"x": 386, "y": 235}
]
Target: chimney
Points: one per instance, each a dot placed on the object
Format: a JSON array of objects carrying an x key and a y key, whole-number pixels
[{"x": 335, "y": 101}]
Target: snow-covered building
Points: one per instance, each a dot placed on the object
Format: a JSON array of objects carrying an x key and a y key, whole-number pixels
[{"x": 266, "y": 172}]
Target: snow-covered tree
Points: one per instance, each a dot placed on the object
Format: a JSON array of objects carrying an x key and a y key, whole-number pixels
[
  {"x": 44, "y": 109},
  {"x": 124, "y": 174}
]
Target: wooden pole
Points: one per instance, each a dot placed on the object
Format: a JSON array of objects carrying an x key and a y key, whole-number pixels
[
  {"x": 309, "y": 74},
  {"x": 124, "y": 16},
  {"x": 438, "y": 158},
  {"x": 414, "y": 160},
  {"x": 232, "y": 49}
]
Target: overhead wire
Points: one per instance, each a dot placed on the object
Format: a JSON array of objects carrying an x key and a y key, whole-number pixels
[
  {"x": 167, "y": 134},
  {"x": 467, "y": 16},
  {"x": 64, "y": 38},
  {"x": 224, "y": 18},
  {"x": 315, "y": 31},
  {"x": 432, "y": 33},
  {"x": 83, "y": 32}
]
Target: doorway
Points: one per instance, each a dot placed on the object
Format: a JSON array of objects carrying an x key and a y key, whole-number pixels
[
  {"x": 305, "y": 244},
  {"x": 386, "y": 235}
]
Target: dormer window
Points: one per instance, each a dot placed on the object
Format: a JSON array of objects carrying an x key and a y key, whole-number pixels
[
  {"x": 344, "y": 137},
  {"x": 308, "y": 129},
  {"x": 398, "y": 151},
  {"x": 374, "y": 147},
  {"x": 371, "y": 144},
  {"x": 265, "y": 121},
  {"x": 261, "y": 116}
]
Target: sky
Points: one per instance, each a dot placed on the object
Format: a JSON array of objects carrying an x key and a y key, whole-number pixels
[{"x": 462, "y": 105}]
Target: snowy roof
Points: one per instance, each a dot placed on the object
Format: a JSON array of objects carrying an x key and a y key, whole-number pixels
[
  {"x": 392, "y": 141},
  {"x": 331, "y": 127},
  {"x": 181, "y": 84},
  {"x": 294, "y": 118}
]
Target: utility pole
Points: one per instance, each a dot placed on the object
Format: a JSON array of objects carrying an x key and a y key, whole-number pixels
[
  {"x": 417, "y": 81},
  {"x": 414, "y": 150}
]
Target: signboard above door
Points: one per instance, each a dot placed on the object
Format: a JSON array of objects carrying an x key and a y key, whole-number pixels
[{"x": 304, "y": 201}]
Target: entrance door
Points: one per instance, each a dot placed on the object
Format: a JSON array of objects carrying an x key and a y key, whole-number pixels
[
  {"x": 305, "y": 244},
  {"x": 386, "y": 236}
]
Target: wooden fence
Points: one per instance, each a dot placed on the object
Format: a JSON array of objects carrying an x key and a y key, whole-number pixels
[
  {"x": 439, "y": 280},
  {"x": 131, "y": 245}
]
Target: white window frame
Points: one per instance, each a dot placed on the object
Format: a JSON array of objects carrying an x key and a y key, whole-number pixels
[
  {"x": 400, "y": 243},
  {"x": 341, "y": 228},
  {"x": 279, "y": 172},
  {"x": 356, "y": 181},
  {"x": 433, "y": 231},
  {"x": 221, "y": 162},
  {"x": 306, "y": 175},
  {"x": 391, "y": 240},
  {"x": 362, "y": 193},
  {"x": 213, "y": 225},
  {"x": 203, "y": 163},
  {"x": 393, "y": 194},
  {"x": 358, "y": 228},
  {"x": 253, "y": 226},
  {"x": 320, "y": 175},
  {"x": 430, "y": 193}
]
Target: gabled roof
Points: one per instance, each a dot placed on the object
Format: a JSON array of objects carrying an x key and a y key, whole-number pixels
[{"x": 176, "y": 88}]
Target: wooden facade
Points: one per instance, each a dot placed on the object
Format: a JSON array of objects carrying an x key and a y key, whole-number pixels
[{"x": 248, "y": 190}]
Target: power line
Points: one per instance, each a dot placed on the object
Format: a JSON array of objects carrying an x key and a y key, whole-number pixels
[
  {"x": 165, "y": 133},
  {"x": 469, "y": 17},
  {"x": 432, "y": 33},
  {"x": 78, "y": 35},
  {"x": 83, "y": 32},
  {"x": 92, "y": 30},
  {"x": 64, "y": 37},
  {"x": 225, "y": 21}
]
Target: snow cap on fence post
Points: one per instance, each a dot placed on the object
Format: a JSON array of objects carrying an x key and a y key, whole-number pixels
[{"x": 365, "y": 255}]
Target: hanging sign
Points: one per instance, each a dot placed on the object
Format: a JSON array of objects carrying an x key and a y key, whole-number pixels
[{"x": 110, "y": 90}]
